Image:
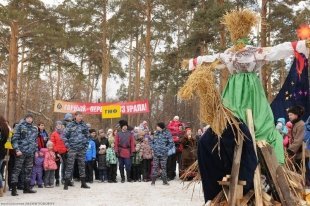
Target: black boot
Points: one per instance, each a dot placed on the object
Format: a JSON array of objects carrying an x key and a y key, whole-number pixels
[
  {"x": 128, "y": 176},
  {"x": 153, "y": 181},
  {"x": 14, "y": 189},
  {"x": 83, "y": 183},
  {"x": 70, "y": 183},
  {"x": 57, "y": 183},
  {"x": 165, "y": 182},
  {"x": 66, "y": 184},
  {"x": 27, "y": 188},
  {"x": 122, "y": 176}
]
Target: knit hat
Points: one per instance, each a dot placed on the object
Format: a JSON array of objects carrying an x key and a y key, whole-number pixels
[
  {"x": 161, "y": 125},
  {"x": 123, "y": 123},
  {"x": 29, "y": 115},
  {"x": 68, "y": 117},
  {"x": 298, "y": 110},
  {"x": 58, "y": 123}
]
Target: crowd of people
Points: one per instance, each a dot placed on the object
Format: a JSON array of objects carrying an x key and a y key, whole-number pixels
[{"x": 75, "y": 151}]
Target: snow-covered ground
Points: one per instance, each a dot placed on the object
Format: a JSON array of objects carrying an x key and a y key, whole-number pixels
[{"x": 112, "y": 194}]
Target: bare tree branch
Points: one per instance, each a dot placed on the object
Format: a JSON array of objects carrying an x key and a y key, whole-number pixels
[{"x": 40, "y": 114}]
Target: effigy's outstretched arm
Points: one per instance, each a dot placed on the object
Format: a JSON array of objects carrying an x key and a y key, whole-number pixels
[
  {"x": 192, "y": 63},
  {"x": 282, "y": 51}
]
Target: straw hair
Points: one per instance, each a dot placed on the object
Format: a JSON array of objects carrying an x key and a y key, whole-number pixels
[{"x": 239, "y": 23}]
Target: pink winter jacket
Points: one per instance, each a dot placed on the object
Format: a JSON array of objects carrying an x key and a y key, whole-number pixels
[
  {"x": 49, "y": 161},
  {"x": 146, "y": 150}
]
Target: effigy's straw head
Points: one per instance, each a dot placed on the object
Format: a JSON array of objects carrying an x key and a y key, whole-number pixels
[{"x": 239, "y": 23}]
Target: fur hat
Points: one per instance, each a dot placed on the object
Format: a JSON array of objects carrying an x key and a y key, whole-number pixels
[
  {"x": 123, "y": 123},
  {"x": 298, "y": 110}
]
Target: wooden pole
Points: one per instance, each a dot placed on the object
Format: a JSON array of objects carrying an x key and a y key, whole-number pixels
[
  {"x": 233, "y": 193},
  {"x": 257, "y": 174}
]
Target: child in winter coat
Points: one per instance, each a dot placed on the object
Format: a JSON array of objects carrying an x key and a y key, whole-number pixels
[
  {"x": 281, "y": 127},
  {"x": 90, "y": 161},
  {"x": 49, "y": 165},
  {"x": 111, "y": 163},
  {"x": 102, "y": 164},
  {"x": 136, "y": 160},
  {"x": 37, "y": 170},
  {"x": 147, "y": 156}
]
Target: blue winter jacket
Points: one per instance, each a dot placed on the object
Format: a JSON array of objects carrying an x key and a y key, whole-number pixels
[
  {"x": 91, "y": 150},
  {"x": 25, "y": 138},
  {"x": 162, "y": 142},
  {"x": 76, "y": 136}
]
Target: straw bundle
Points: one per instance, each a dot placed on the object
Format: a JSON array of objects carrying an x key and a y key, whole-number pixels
[
  {"x": 239, "y": 24},
  {"x": 212, "y": 111}
]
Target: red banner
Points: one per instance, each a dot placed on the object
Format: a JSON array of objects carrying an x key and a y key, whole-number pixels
[{"x": 96, "y": 108}]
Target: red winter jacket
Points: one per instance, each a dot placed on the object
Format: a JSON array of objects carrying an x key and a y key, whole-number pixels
[
  {"x": 124, "y": 144},
  {"x": 174, "y": 128},
  {"x": 59, "y": 145}
]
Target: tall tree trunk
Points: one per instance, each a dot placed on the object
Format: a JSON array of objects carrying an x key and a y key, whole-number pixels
[
  {"x": 105, "y": 52},
  {"x": 92, "y": 88},
  {"x": 137, "y": 69},
  {"x": 13, "y": 64},
  {"x": 7, "y": 105},
  {"x": 21, "y": 83},
  {"x": 27, "y": 85},
  {"x": 137, "y": 66},
  {"x": 148, "y": 57},
  {"x": 58, "y": 77},
  {"x": 89, "y": 82},
  {"x": 263, "y": 36},
  {"x": 130, "y": 95},
  {"x": 130, "y": 70}
]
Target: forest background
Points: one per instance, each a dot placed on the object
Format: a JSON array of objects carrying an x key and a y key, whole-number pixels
[{"x": 124, "y": 50}]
